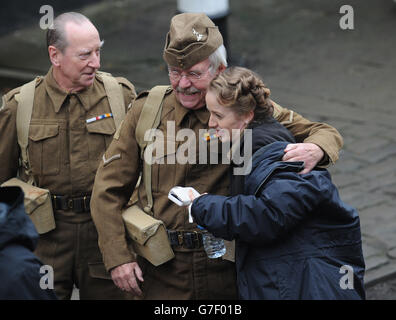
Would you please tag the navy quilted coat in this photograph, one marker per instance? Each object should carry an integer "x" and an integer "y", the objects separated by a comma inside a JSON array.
[
  {"x": 19, "y": 268},
  {"x": 295, "y": 237}
]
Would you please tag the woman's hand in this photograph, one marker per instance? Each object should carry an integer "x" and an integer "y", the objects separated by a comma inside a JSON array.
[{"x": 192, "y": 196}]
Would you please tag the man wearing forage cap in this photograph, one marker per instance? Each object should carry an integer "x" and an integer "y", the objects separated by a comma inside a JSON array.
[{"x": 195, "y": 54}]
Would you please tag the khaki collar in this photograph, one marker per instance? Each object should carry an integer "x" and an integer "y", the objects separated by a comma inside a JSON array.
[
  {"x": 202, "y": 114},
  {"x": 88, "y": 97}
]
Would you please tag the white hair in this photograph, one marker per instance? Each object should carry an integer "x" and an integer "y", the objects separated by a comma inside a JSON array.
[{"x": 218, "y": 58}]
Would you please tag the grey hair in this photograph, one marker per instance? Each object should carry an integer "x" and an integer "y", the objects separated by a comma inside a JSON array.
[
  {"x": 56, "y": 35},
  {"x": 218, "y": 58}
]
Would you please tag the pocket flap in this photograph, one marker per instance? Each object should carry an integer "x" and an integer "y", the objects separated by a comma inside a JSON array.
[
  {"x": 162, "y": 148},
  {"x": 103, "y": 126},
  {"x": 98, "y": 270},
  {"x": 39, "y": 132},
  {"x": 140, "y": 225}
]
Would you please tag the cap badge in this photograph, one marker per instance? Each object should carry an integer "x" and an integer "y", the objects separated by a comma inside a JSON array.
[{"x": 197, "y": 34}]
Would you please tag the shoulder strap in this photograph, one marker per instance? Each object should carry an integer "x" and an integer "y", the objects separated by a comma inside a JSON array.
[
  {"x": 115, "y": 96},
  {"x": 3, "y": 102},
  {"x": 150, "y": 113},
  {"x": 150, "y": 118},
  {"x": 23, "y": 116}
]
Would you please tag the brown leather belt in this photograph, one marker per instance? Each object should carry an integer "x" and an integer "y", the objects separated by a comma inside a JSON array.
[
  {"x": 186, "y": 239},
  {"x": 76, "y": 204}
]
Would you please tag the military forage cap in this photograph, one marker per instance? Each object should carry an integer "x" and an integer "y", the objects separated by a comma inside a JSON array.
[{"x": 192, "y": 38}]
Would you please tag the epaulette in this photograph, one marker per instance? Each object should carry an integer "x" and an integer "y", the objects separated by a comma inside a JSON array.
[
  {"x": 10, "y": 94},
  {"x": 14, "y": 93},
  {"x": 142, "y": 94},
  {"x": 125, "y": 82},
  {"x": 145, "y": 93}
]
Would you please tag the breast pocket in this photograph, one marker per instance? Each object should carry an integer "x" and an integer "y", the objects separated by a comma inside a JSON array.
[
  {"x": 163, "y": 171},
  {"x": 100, "y": 135},
  {"x": 44, "y": 149}
]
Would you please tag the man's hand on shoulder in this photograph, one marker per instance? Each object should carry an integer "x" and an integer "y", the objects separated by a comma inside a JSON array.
[{"x": 310, "y": 153}]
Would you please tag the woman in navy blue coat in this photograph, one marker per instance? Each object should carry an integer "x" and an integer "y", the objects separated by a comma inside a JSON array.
[
  {"x": 20, "y": 269},
  {"x": 295, "y": 238}
]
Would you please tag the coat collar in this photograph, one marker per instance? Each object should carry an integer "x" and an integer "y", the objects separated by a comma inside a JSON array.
[
  {"x": 88, "y": 97},
  {"x": 201, "y": 114}
]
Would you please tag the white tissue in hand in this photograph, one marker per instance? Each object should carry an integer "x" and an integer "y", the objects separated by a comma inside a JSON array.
[{"x": 180, "y": 195}]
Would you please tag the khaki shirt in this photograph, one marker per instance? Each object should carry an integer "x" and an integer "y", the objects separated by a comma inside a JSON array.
[
  {"x": 118, "y": 174},
  {"x": 64, "y": 151}
]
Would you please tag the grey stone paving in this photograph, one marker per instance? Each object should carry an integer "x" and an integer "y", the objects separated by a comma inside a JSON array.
[{"x": 344, "y": 78}]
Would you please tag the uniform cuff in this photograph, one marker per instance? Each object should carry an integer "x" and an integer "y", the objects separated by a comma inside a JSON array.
[
  {"x": 116, "y": 253},
  {"x": 330, "y": 153}
]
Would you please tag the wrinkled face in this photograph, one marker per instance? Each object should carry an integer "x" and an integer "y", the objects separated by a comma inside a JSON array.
[
  {"x": 81, "y": 58},
  {"x": 224, "y": 119},
  {"x": 190, "y": 85}
]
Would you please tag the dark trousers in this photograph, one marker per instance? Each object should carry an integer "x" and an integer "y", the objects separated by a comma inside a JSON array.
[
  {"x": 190, "y": 275},
  {"x": 73, "y": 253}
]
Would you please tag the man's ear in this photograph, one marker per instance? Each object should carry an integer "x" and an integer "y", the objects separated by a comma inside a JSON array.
[
  {"x": 54, "y": 55},
  {"x": 221, "y": 68}
]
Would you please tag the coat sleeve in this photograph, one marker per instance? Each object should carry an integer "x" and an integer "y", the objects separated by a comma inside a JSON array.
[
  {"x": 281, "y": 206},
  {"x": 321, "y": 134},
  {"x": 115, "y": 181}
]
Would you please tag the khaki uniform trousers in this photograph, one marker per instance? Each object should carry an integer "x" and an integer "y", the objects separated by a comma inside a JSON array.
[
  {"x": 72, "y": 250},
  {"x": 191, "y": 275}
]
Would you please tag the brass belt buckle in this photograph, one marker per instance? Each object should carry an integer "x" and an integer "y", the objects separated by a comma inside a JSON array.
[{"x": 180, "y": 238}]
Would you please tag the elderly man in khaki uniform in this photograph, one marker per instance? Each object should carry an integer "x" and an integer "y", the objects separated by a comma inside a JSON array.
[
  {"x": 70, "y": 128},
  {"x": 194, "y": 53}
]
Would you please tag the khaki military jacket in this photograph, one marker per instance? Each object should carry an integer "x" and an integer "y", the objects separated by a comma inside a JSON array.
[
  {"x": 64, "y": 150},
  {"x": 119, "y": 171}
]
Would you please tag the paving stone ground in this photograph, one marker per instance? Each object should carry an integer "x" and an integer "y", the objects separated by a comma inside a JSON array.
[{"x": 343, "y": 77}]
